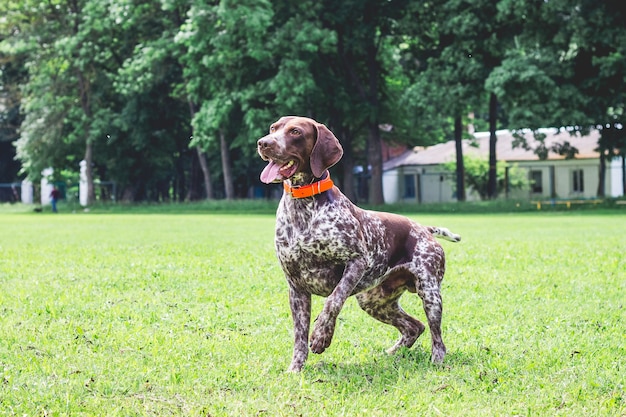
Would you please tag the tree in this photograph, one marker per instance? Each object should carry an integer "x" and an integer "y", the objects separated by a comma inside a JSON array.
[
  {"x": 476, "y": 36},
  {"x": 69, "y": 49},
  {"x": 567, "y": 69},
  {"x": 225, "y": 55},
  {"x": 477, "y": 176},
  {"x": 159, "y": 94},
  {"x": 154, "y": 70},
  {"x": 460, "y": 163},
  {"x": 12, "y": 74},
  {"x": 599, "y": 36},
  {"x": 442, "y": 93},
  {"x": 364, "y": 30}
]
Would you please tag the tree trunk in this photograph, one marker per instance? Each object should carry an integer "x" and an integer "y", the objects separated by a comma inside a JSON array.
[
  {"x": 348, "y": 179},
  {"x": 374, "y": 143},
  {"x": 84, "y": 89},
  {"x": 602, "y": 173},
  {"x": 460, "y": 166},
  {"x": 208, "y": 187},
  {"x": 375, "y": 161},
  {"x": 195, "y": 174},
  {"x": 492, "y": 185},
  {"x": 368, "y": 90},
  {"x": 348, "y": 166},
  {"x": 179, "y": 184},
  {"x": 226, "y": 168},
  {"x": 91, "y": 192},
  {"x": 624, "y": 175}
]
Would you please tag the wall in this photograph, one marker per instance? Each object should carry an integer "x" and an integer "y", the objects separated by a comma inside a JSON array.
[
  {"x": 430, "y": 184},
  {"x": 557, "y": 176},
  {"x": 615, "y": 187},
  {"x": 564, "y": 182}
]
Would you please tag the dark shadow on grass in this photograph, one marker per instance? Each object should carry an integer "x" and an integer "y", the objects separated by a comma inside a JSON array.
[{"x": 380, "y": 370}]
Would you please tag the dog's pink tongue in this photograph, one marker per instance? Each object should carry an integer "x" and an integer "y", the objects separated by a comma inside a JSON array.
[{"x": 270, "y": 173}]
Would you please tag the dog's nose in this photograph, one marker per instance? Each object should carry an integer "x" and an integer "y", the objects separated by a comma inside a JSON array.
[{"x": 264, "y": 142}]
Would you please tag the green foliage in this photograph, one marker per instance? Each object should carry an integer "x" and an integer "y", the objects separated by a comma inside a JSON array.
[
  {"x": 187, "y": 314},
  {"x": 224, "y": 53},
  {"x": 68, "y": 50},
  {"x": 539, "y": 100},
  {"x": 566, "y": 67},
  {"x": 477, "y": 175},
  {"x": 139, "y": 82}
]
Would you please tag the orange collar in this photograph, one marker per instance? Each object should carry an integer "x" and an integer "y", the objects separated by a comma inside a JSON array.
[{"x": 309, "y": 190}]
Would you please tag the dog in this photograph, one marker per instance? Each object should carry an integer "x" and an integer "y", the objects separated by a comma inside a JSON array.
[{"x": 329, "y": 247}]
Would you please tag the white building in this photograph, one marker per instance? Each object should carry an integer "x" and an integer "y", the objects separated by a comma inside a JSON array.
[{"x": 418, "y": 176}]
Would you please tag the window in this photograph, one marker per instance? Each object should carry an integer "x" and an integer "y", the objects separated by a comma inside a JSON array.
[
  {"x": 536, "y": 181},
  {"x": 578, "y": 183},
  {"x": 409, "y": 186}
]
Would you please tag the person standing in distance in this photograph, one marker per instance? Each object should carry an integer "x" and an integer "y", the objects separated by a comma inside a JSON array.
[{"x": 54, "y": 197}]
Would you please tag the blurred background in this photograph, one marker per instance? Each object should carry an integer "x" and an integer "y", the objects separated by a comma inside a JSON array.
[{"x": 451, "y": 100}]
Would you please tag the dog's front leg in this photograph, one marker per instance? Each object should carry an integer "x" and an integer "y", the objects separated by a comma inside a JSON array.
[
  {"x": 325, "y": 323},
  {"x": 300, "y": 303}
]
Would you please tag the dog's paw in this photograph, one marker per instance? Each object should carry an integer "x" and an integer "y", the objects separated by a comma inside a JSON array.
[
  {"x": 437, "y": 354},
  {"x": 321, "y": 337}
]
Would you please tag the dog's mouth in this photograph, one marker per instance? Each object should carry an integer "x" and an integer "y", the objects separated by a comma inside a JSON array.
[{"x": 277, "y": 172}]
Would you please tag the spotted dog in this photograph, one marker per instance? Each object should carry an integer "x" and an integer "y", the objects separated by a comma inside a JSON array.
[{"x": 329, "y": 247}]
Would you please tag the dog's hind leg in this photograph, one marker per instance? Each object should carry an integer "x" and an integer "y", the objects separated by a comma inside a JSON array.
[
  {"x": 433, "y": 307},
  {"x": 382, "y": 303}
]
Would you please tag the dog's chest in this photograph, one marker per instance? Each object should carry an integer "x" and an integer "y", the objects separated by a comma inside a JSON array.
[
  {"x": 314, "y": 243},
  {"x": 317, "y": 234}
]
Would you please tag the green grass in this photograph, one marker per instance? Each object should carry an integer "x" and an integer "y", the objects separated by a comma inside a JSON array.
[
  {"x": 262, "y": 206},
  {"x": 133, "y": 314}
]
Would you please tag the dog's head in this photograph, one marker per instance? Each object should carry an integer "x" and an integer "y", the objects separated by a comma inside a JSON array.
[{"x": 297, "y": 145}]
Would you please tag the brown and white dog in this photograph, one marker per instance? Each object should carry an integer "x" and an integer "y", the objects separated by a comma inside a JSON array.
[{"x": 329, "y": 247}]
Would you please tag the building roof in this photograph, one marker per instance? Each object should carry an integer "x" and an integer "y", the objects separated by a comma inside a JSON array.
[{"x": 446, "y": 152}]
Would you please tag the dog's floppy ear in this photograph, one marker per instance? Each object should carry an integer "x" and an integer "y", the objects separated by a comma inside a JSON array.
[{"x": 326, "y": 152}]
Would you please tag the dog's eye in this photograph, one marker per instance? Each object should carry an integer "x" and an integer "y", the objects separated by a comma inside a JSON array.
[
  {"x": 294, "y": 131},
  {"x": 272, "y": 129}
]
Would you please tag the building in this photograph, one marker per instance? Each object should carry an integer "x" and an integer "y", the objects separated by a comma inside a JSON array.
[{"x": 417, "y": 175}]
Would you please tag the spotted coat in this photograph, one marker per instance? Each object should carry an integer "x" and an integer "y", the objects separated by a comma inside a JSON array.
[{"x": 329, "y": 247}]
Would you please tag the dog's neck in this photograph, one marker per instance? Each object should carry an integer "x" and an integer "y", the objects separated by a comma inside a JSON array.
[
  {"x": 301, "y": 179},
  {"x": 304, "y": 187}
]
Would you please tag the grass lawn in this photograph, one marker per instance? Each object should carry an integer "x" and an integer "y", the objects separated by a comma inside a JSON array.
[{"x": 186, "y": 314}]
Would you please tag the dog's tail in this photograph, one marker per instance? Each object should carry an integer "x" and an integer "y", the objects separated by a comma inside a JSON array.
[{"x": 443, "y": 233}]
